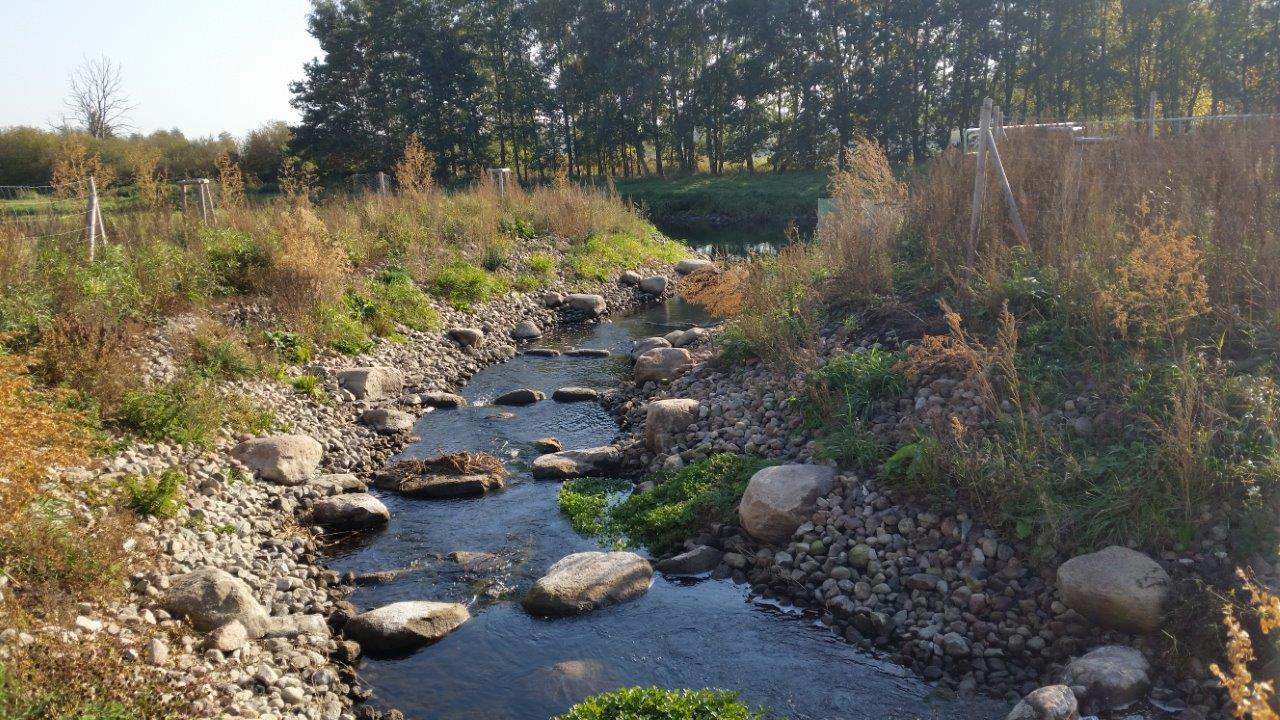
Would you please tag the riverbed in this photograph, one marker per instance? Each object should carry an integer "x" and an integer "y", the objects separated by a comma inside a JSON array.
[{"x": 505, "y": 664}]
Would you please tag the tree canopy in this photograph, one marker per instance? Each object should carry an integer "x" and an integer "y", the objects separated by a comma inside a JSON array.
[{"x": 594, "y": 87}]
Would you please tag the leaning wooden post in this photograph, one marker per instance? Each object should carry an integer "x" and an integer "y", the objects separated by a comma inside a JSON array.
[
  {"x": 1008, "y": 190},
  {"x": 382, "y": 184},
  {"x": 203, "y": 187},
  {"x": 91, "y": 219},
  {"x": 979, "y": 177}
]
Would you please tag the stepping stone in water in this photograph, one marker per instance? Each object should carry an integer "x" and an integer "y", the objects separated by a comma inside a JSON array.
[
  {"x": 547, "y": 445},
  {"x": 542, "y": 352},
  {"x": 574, "y": 394},
  {"x": 405, "y": 625},
  {"x": 590, "y": 462},
  {"x": 523, "y": 396},
  {"x": 447, "y": 476},
  {"x": 583, "y": 582},
  {"x": 588, "y": 352},
  {"x": 442, "y": 400}
]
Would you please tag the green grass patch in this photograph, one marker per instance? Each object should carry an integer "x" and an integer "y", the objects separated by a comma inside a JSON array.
[
  {"x": 465, "y": 286},
  {"x": 680, "y": 506},
  {"x": 190, "y": 411},
  {"x": 635, "y": 703},
  {"x": 600, "y": 256},
  {"x": 399, "y": 298}
]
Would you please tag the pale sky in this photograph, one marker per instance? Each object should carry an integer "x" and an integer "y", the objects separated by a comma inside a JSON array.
[{"x": 202, "y": 66}]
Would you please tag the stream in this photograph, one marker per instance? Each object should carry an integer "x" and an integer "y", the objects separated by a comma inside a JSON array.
[{"x": 504, "y": 664}]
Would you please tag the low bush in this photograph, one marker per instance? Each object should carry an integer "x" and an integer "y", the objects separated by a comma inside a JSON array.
[
  {"x": 465, "y": 286},
  {"x": 308, "y": 385},
  {"x": 585, "y": 500},
  {"x": 598, "y": 257},
  {"x": 400, "y": 299},
  {"x": 288, "y": 347},
  {"x": 220, "y": 356},
  {"x": 635, "y": 703},
  {"x": 189, "y": 410},
  {"x": 96, "y": 359}
]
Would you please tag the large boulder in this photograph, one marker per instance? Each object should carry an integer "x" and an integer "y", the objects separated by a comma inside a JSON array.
[
  {"x": 526, "y": 330},
  {"x": 644, "y": 345},
  {"x": 350, "y": 511},
  {"x": 629, "y": 277},
  {"x": 684, "y": 267},
  {"x": 655, "y": 285},
  {"x": 701, "y": 559},
  {"x": 371, "y": 383},
  {"x": 662, "y": 364},
  {"x": 210, "y": 598},
  {"x": 779, "y": 499},
  {"x": 467, "y": 336},
  {"x": 589, "y": 462},
  {"x": 582, "y": 582},
  {"x": 442, "y": 400},
  {"x": 1116, "y": 588},
  {"x": 441, "y": 478},
  {"x": 590, "y": 305},
  {"x": 387, "y": 421},
  {"x": 523, "y": 396},
  {"x": 1053, "y": 702},
  {"x": 282, "y": 459},
  {"x": 405, "y": 625},
  {"x": 574, "y": 394},
  {"x": 691, "y": 336},
  {"x": 664, "y": 419},
  {"x": 1112, "y": 677}
]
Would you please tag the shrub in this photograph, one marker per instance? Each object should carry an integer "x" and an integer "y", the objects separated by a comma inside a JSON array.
[
  {"x": 220, "y": 356},
  {"x": 235, "y": 260},
  {"x": 95, "y": 358},
  {"x": 289, "y": 347},
  {"x": 334, "y": 326},
  {"x": 855, "y": 383},
  {"x": 155, "y": 496},
  {"x": 636, "y": 703},
  {"x": 308, "y": 385},
  {"x": 395, "y": 292},
  {"x": 597, "y": 257}
]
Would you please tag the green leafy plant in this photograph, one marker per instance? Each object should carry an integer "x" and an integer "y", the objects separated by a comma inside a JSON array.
[
  {"x": 585, "y": 500},
  {"x": 464, "y": 286},
  {"x": 155, "y": 496},
  {"x": 289, "y": 347},
  {"x": 635, "y": 703}
]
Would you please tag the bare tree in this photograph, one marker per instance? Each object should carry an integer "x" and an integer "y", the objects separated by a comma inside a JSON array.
[{"x": 96, "y": 101}]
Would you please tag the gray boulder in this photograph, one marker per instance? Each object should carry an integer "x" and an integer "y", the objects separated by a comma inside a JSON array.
[
  {"x": 588, "y": 352},
  {"x": 405, "y": 625},
  {"x": 547, "y": 445},
  {"x": 292, "y": 626},
  {"x": 338, "y": 483},
  {"x": 442, "y": 400},
  {"x": 779, "y": 499},
  {"x": 1053, "y": 702},
  {"x": 405, "y": 480},
  {"x": 371, "y": 383},
  {"x": 662, "y": 364},
  {"x": 210, "y": 598},
  {"x": 701, "y": 559},
  {"x": 526, "y": 330},
  {"x": 582, "y": 582},
  {"x": 574, "y": 394},
  {"x": 350, "y": 511},
  {"x": 684, "y": 267},
  {"x": 552, "y": 299},
  {"x": 629, "y": 277},
  {"x": 282, "y": 459},
  {"x": 590, "y": 462},
  {"x": 1113, "y": 677},
  {"x": 664, "y": 419},
  {"x": 387, "y": 421},
  {"x": 467, "y": 336},
  {"x": 1116, "y": 588},
  {"x": 591, "y": 305},
  {"x": 644, "y": 345},
  {"x": 523, "y": 396},
  {"x": 655, "y": 285},
  {"x": 691, "y": 336}
]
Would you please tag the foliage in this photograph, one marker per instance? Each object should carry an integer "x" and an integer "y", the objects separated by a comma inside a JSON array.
[
  {"x": 465, "y": 286},
  {"x": 189, "y": 410},
  {"x": 685, "y": 502},
  {"x": 635, "y": 703},
  {"x": 600, "y": 256},
  {"x": 1250, "y": 696},
  {"x": 155, "y": 496},
  {"x": 415, "y": 169},
  {"x": 585, "y": 500}
]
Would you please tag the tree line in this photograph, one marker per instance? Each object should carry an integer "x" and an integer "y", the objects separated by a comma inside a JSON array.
[{"x": 637, "y": 87}]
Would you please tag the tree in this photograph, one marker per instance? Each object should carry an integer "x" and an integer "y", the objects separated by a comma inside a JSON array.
[{"x": 96, "y": 101}]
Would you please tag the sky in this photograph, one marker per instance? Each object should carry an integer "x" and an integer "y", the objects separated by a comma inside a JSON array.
[{"x": 202, "y": 66}]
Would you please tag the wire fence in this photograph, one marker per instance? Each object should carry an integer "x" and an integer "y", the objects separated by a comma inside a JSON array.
[{"x": 37, "y": 212}]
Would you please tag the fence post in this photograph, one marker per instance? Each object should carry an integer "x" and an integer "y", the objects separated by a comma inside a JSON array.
[
  {"x": 979, "y": 177},
  {"x": 1008, "y": 190},
  {"x": 91, "y": 219},
  {"x": 1151, "y": 116},
  {"x": 382, "y": 184}
]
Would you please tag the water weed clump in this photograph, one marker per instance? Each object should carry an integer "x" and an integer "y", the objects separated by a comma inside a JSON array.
[{"x": 636, "y": 703}]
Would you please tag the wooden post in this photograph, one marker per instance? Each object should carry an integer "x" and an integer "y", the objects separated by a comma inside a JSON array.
[
  {"x": 1151, "y": 116},
  {"x": 1008, "y": 190},
  {"x": 91, "y": 219},
  {"x": 979, "y": 177},
  {"x": 382, "y": 184},
  {"x": 203, "y": 187}
]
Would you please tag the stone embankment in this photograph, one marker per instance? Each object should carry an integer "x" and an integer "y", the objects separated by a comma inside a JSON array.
[
  {"x": 952, "y": 600},
  {"x": 235, "y": 612}
]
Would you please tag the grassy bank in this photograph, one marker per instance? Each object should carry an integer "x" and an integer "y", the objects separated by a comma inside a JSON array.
[
  {"x": 261, "y": 287},
  {"x": 738, "y": 197}
]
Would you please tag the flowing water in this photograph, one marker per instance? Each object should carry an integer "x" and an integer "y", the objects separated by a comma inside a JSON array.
[{"x": 506, "y": 665}]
